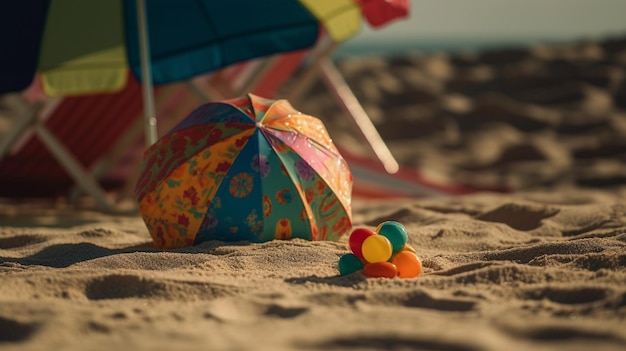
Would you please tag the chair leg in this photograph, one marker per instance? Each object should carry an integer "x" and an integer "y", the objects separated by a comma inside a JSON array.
[
  {"x": 30, "y": 118},
  {"x": 257, "y": 75},
  {"x": 344, "y": 96},
  {"x": 119, "y": 150},
  {"x": 22, "y": 121},
  {"x": 307, "y": 77},
  {"x": 204, "y": 93},
  {"x": 206, "y": 89},
  {"x": 82, "y": 177}
]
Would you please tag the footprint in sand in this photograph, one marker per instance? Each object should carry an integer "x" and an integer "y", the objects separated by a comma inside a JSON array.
[
  {"x": 369, "y": 342},
  {"x": 125, "y": 286},
  {"x": 420, "y": 299},
  {"x": 15, "y": 331},
  {"x": 567, "y": 296},
  {"x": 560, "y": 332},
  {"x": 424, "y": 299},
  {"x": 519, "y": 216},
  {"x": 14, "y": 242},
  {"x": 118, "y": 286},
  {"x": 241, "y": 310}
]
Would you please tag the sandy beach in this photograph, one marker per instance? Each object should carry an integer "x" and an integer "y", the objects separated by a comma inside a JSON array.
[{"x": 539, "y": 267}]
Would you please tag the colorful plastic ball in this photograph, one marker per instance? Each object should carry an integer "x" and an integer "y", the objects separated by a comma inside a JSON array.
[
  {"x": 356, "y": 240},
  {"x": 409, "y": 266},
  {"x": 409, "y": 248},
  {"x": 380, "y": 270},
  {"x": 376, "y": 248},
  {"x": 349, "y": 263},
  {"x": 395, "y": 232}
]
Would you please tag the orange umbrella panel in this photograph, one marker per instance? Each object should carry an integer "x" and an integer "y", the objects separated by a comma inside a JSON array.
[{"x": 246, "y": 169}]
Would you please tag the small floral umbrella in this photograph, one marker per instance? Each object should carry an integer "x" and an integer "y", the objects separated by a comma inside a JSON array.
[{"x": 245, "y": 169}]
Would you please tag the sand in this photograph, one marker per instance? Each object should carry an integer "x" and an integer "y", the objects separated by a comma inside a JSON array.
[
  {"x": 517, "y": 272},
  {"x": 536, "y": 118},
  {"x": 542, "y": 267}
]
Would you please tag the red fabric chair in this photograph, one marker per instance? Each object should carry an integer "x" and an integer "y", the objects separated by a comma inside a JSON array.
[{"x": 57, "y": 144}]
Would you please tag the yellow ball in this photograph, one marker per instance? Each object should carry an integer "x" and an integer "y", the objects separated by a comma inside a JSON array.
[{"x": 376, "y": 248}]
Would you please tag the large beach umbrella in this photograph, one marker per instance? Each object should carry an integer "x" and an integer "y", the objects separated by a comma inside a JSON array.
[
  {"x": 244, "y": 169},
  {"x": 82, "y": 47},
  {"x": 379, "y": 13},
  {"x": 342, "y": 19}
]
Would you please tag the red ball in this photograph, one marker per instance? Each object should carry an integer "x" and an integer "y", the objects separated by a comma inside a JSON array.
[
  {"x": 356, "y": 240},
  {"x": 380, "y": 270}
]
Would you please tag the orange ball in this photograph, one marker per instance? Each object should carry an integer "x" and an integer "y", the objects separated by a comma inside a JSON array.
[
  {"x": 408, "y": 247},
  {"x": 409, "y": 266},
  {"x": 380, "y": 270}
]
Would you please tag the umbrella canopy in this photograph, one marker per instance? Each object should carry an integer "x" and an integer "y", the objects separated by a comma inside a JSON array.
[
  {"x": 342, "y": 18},
  {"x": 381, "y": 12},
  {"x": 87, "y": 46},
  {"x": 244, "y": 169}
]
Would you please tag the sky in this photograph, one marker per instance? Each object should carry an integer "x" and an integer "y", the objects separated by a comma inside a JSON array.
[{"x": 501, "y": 19}]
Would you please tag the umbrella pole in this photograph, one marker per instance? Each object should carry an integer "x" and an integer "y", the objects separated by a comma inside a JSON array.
[{"x": 150, "y": 122}]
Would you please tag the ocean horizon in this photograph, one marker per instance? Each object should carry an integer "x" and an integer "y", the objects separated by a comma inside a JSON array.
[
  {"x": 477, "y": 25},
  {"x": 455, "y": 45}
]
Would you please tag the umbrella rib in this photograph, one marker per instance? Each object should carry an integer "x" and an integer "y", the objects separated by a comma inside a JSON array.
[
  {"x": 316, "y": 144},
  {"x": 165, "y": 178},
  {"x": 319, "y": 145},
  {"x": 161, "y": 181},
  {"x": 321, "y": 148},
  {"x": 345, "y": 207}
]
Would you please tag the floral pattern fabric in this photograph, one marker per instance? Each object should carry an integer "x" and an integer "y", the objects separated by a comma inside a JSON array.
[{"x": 244, "y": 169}]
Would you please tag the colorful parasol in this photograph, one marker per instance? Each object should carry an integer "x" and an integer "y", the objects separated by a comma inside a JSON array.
[
  {"x": 245, "y": 169},
  {"x": 85, "y": 47},
  {"x": 342, "y": 19},
  {"x": 82, "y": 47},
  {"x": 379, "y": 13}
]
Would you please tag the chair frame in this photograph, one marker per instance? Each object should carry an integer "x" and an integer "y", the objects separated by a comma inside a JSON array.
[
  {"x": 207, "y": 87},
  {"x": 33, "y": 121}
]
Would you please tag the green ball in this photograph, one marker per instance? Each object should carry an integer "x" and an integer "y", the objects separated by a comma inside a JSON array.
[
  {"x": 349, "y": 263},
  {"x": 395, "y": 232}
]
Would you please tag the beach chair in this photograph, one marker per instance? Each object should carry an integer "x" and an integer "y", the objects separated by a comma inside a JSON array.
[
  {"x": 87, "y": 144},
  {"x": 322, "y": 67},
  {"x": 35, "y": 156},
  {"x": 47, "y": 157},
  {"x": 91, "y": 141},
  {"x": 262, "y": 76},
  {"x": 267, "y": 77},
  {"x": 56, "y": 142}
]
